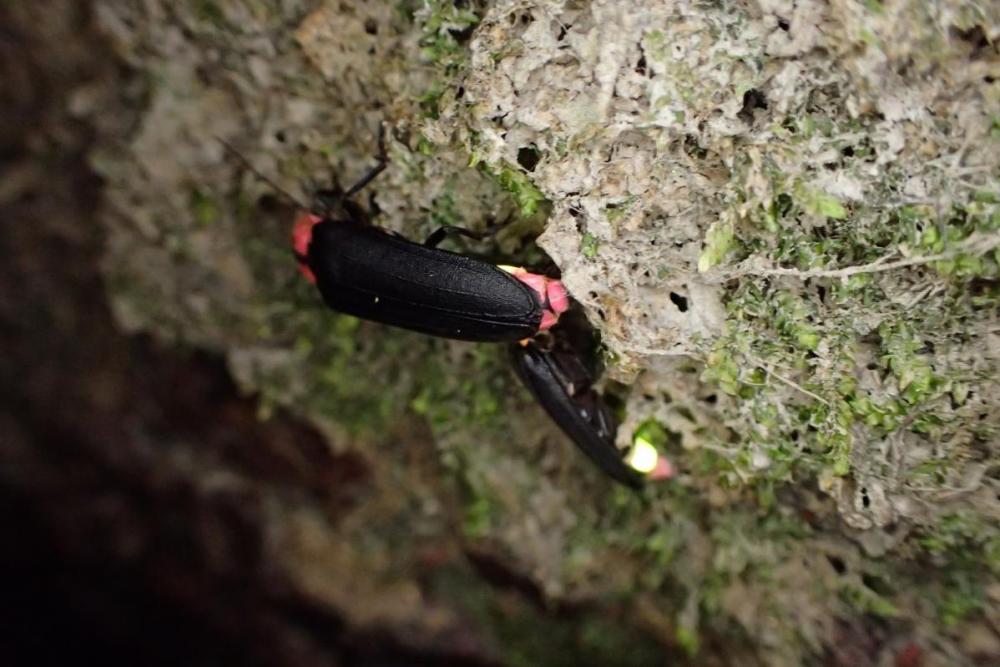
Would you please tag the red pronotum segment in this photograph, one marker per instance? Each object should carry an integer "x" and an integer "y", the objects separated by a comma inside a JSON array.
[
  {"x": 551, "y": 292},
  {"x": 301, "y": 236}
]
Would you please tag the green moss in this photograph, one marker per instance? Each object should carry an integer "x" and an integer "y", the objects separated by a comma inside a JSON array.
[
  {"x": 442, "y": 24},
  {"x": 867, "y": 601},
  {"x": 655, "y": 43},
  {"x": 613, "y": 643},
  {"x": 913, "y": 371},
  {"x": 209, "y": 12},
  {"x": 204, "y": 209},
  {"x": 779, "y": 328},
  {"x": 355, "y": 384},
  {"x": 955, "y": 536},
  {"x": 874, "y": 6},
  {"x": 965, "y": 548},
  {"x": 430, "y": 101},
  {"x": 655, "y": 434},
  {"x": 688, "y": 640},
  {"x": 962, "y": 598},
  {"x": 527, "y": 197},
  {"x": 822, "y": 204},
  {"x": 719, "y": 241},
  {"x": 722, "y": 369},
  {"x": 444, "y": 212},
  {"x": 589, "y": 244},
  {"x": 797, "y": 340},
  {"x": 793, "y": 316},
  {"x": 466, "y": 395},
  {"x": 663, "y": 546},
  {"x": 616, "y": 212},
  {"x": 478, "y": 518}
]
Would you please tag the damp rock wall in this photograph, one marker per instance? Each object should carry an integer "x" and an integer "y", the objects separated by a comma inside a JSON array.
[{"x": 783, "y": 218}]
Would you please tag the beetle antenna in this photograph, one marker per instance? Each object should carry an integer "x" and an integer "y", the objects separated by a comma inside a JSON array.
[{"x": 246, "y": 163}]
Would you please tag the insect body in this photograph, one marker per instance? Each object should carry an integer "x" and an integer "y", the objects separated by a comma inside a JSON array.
[
  {"x": 376, "y": 275},
  {"x": 561, "y": 383}
]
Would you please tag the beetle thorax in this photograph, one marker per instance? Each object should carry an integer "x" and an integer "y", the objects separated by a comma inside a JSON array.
[{"x": 302, "y": 233}]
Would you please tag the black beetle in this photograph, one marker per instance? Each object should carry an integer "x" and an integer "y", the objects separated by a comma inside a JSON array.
[
  {"x": 554, "y": 368},
  {"x": 377, "y": 275},
  {"x": 365, "y": 271}
]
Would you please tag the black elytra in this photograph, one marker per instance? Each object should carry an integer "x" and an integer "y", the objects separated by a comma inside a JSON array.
[
  {"x": 562, "y": 386},
  {"x": 367, "y": 272}
]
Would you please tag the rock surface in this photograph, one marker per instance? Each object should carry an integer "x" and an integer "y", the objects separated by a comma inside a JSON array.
[{"x": 782, "y": 217}]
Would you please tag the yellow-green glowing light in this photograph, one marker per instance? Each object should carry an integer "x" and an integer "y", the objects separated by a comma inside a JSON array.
[{"x": 643, "y": 456}]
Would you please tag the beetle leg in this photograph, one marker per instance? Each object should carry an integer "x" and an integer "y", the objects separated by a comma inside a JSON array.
[
  {"x": 547, "y": 268},
  {"x": 604, "y": 421},
  {"x": 382, "y": 161},
  {"x": 367, "y": 178},
  {"x": 595, "y": 413},
  {"x": 570, "y": 372},
  {"x": 443, "y": 231},
  {"x": 440, "y": 233},
  {"x": 326, "y": 201}
]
